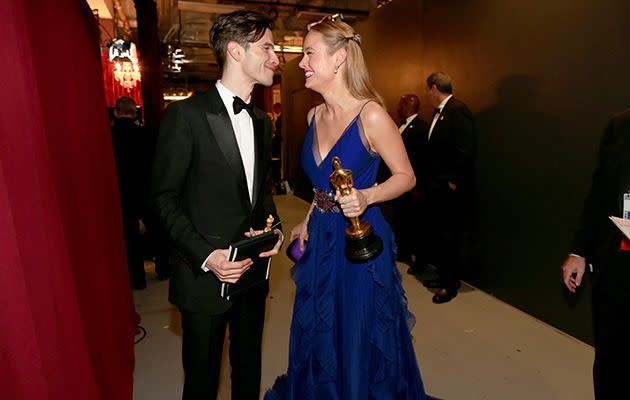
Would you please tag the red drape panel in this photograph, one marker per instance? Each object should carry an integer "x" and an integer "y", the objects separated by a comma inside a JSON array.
[
  {"x": 113, "y": 90},
  {"x": 66, "y": 310}
]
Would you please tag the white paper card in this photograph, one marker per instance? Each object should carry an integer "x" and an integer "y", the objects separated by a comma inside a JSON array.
[{"x": 622, "y": 224}]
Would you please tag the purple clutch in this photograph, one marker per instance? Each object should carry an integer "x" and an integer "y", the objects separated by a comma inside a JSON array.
[{"x": 293, "y": 250}]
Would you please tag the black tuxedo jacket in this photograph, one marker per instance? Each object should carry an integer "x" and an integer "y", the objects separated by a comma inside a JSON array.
[
  {"x": 414, "y": 137},
  {"x": 597, "y": 238},
  {"x": 132, "y": 147},
  {"x": 449, "y": 154},
  {"x": 199, "y": 191}
]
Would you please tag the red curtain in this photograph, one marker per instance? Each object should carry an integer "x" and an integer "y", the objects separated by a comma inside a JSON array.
[
  {"x": 66, "y": 310},
  {"x": 113, "y": 90}
]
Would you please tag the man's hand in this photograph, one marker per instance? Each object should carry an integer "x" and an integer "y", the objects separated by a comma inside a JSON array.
[
  {"x": 573, "y": 271},
  {"x": 276, "y": 248},
  {"x": 227, "y": 271},
  {"x": 452, "y": 186}
]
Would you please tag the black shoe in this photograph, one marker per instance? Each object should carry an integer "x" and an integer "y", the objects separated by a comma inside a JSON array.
[
  {"x": 433, "y": 284},
  {"x": 444, "y": 295}
]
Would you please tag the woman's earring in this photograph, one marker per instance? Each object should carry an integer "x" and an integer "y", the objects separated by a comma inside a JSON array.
[{"x": 336, "y": 68}]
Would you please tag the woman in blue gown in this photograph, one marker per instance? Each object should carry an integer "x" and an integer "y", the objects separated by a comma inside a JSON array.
[{"x": 350, "y": 333}]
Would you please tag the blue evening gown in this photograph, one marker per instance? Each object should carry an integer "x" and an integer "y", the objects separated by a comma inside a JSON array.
[{"x": 350, "y": 333}]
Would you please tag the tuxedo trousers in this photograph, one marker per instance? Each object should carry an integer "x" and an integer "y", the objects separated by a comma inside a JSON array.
[
  {"x": 403, "y": 221},
  {"x": 135, "y": 261},
  {"x": 444, "y": 225},
  {"x": 202, "y": 348}
]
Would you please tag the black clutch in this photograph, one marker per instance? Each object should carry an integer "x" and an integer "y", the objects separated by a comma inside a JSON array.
[{"x": 259, "y": 271}]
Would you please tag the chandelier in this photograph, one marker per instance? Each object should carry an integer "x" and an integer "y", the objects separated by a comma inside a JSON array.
[{"x": 123, "y": 56}]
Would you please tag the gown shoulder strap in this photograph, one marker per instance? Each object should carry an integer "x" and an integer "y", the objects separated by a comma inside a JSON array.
[
  {"x": 362, "y": 134},
  {"x": 363, "y": 106},
  {"x": 313, "y": 117}
]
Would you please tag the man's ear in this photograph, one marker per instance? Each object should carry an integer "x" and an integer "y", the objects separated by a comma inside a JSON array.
[{"x": 234, "y": 50}]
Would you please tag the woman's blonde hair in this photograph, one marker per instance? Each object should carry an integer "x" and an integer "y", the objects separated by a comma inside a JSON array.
[{"x": 339, "y": 35}]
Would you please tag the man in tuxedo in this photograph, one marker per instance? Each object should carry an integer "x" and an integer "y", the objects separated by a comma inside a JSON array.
[
  {"x": 600, "y": 244},
  {"x": 404, "y": 208},
  {"x": 130, "y": 152},
  {"x": 211, "y": 184},
  {"x": 445, "y": 179}
]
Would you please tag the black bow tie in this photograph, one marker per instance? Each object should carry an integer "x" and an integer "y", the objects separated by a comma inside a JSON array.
[{"x": 239, "y": 105}]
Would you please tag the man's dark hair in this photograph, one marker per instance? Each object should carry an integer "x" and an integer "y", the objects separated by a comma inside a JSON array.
[
  {"x": 441, "y": 81},
  {"x": 412, "y": 102},
  {"x": 125, "y": 106},
  {"x": 242, "y": 26}
]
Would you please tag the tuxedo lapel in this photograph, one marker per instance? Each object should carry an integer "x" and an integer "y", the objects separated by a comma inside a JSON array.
[
  {"x": 410, "y": 127},
  {"x": 259, "y": 143},
  {"x": 223, "y": 132},
  {"x": 440, "y": 120},
  {"x": 407, "y": 129}
]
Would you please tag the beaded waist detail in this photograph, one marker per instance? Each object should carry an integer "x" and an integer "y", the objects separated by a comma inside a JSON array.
[{"x": 325, "y": 201}]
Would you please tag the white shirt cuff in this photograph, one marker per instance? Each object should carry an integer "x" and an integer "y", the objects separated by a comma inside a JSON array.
[{"x": 203, "y": 265}]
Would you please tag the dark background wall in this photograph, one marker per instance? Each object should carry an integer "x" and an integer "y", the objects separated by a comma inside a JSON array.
[
  {"x": 542, "y": 78},
  {"x": 296, "y": 101}
]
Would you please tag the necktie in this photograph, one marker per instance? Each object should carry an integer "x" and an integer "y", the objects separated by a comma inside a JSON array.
[
  {"x": 436, "y": 112},
  {"x": 239, "y": 105}
]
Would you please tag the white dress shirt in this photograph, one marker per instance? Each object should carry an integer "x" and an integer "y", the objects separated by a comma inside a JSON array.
[
  {"x": 437, "y": 115},
  {"x": 406, "y": 124},
  {"x": 244, "y": 131}
]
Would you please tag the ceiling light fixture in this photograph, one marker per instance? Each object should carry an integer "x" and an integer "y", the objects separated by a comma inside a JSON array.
[{"x": 123, "y": 56}]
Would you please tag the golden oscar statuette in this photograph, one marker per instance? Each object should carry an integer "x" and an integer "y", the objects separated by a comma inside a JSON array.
[{"x": 361, "y": 243}]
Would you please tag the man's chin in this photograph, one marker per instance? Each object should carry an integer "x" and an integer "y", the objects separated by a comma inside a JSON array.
[{"x": 266, "y": 80}]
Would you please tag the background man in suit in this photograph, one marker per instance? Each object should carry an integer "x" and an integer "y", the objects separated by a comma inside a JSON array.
[
  {"x": 414, "y": 132},
  {"x": 131, "y": 156},
  {"x": 211, "y": 184},
  {"x": 599, "y": 243},
  {"x": 276, "y": 148},
  {"x": 445, "y": 182}
]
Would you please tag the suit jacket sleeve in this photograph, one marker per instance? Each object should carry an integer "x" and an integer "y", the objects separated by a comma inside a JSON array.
[
  {"x": 584, "y": 242},
  {"x": 464, "y": 145},
  {"x": 173, "y": 155}
]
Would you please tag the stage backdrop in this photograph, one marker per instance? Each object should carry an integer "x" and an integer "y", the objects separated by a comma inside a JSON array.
[{"x": 66, "y": 311}]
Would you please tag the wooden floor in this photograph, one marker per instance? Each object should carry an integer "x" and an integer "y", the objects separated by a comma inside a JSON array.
[{"x": 475, "y": 347}]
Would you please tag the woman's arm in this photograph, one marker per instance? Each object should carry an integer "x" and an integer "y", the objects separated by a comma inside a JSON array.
[{"x": 383, "y": 138}]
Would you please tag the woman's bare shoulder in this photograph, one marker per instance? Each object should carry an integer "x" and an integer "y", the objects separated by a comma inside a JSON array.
[{"x": 374, "y": 114}]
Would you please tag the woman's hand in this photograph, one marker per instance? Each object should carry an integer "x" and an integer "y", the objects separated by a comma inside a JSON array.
[
  {"x": 354, "y": 204},
  {"x": 300, "y": 231}
]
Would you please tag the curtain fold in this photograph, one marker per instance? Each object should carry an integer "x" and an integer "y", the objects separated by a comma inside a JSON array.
[{"x": 66, "y": 312}]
